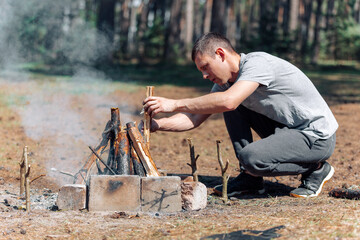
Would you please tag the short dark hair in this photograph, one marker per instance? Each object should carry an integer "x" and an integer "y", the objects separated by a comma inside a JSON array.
[{"x": 208, "y": 42}]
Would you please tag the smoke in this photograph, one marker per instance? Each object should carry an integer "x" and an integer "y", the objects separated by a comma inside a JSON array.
[{"x": 53, "y": 33}]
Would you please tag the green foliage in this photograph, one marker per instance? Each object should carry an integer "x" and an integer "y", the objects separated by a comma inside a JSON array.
[{"x": 154, "y": 39}]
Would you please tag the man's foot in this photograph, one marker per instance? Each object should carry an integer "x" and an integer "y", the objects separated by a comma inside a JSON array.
[
  {"x": 312, "y": 184},
  {"x": 243, "y": 183}
]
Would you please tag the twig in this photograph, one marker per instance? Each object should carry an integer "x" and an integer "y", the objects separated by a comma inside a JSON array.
[
  {"x": 112, "y": 171},
  {"x": 193, "y": 160},
  {"x": 224, "y": 168},
  {"x": 35, "y": 178}
]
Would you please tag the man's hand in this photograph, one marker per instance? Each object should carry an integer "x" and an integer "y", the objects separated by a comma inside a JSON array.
[{"x": 155, "y": 105}]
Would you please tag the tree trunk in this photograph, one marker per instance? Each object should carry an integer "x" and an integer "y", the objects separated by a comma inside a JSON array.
[
  {"x": 217, "y": 21},
  {"x": 197, "y": 20},
  {"x": 286, "y": 18},
  {"x": 316, "y": 41},
  {"x": 189, "y": 27},
  {"x": 231, "y": 22},
  {"x": 305, "y": 26},
  {"x": 124, "y": 26},
  {"x": 172, "y": 35},
  {"x": 105, "y": 21},
  {"x": 142, "y": 28},
  {"x": 132, "y": 29},
  {"x": 357, "y": 11},
  {"x": 294, "y": 15},
  {"x": 207, "y": 17}
]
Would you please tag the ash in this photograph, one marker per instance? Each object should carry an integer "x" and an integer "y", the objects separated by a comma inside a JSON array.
[{"x": 43, "y": 199}]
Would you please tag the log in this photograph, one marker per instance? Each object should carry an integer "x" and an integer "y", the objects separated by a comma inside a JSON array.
[
  {"x": 142, "y": 150},
  {"x": 138, "y": 167},
  {"x": 147, "y": 118},
  {"x": 122, "y": 153},
  {"x": 115, "y": 129}
]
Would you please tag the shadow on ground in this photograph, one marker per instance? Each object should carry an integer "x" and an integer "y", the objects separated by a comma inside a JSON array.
[{"x": 248, "y": 234}]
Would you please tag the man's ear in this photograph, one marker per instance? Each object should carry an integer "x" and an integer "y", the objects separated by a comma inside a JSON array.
[{"x": 221, "y": 53}]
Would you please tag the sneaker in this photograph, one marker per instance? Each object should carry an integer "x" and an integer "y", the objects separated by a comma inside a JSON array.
[
  {"x": 243, "y": 183},
  {"x": 312, "y": 184}
]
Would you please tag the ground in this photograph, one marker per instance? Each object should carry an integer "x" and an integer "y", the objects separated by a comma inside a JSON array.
[{"x": 59, "y": 117}]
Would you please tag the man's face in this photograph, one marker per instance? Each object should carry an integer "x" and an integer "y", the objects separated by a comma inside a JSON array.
[{"x": 215, "y": 68}]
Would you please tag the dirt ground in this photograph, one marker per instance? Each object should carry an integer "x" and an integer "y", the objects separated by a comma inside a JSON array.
[{"x": 58, "y": 118}]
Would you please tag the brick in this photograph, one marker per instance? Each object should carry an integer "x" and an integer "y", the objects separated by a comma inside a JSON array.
[
  {"x": 193, "y": 195},
  {"x": 161, "y": 194},
  {"x": 114, "y": 193},
  {"x": 72, "y": 197}
]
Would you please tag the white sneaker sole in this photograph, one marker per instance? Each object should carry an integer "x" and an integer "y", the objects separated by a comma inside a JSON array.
[{"x": 331, "y": 173}]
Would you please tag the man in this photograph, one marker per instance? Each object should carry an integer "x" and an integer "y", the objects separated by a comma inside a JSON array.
[{"x": 270, "y": 95}]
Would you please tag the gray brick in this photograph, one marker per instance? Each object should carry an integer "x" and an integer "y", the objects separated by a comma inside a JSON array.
[
  {"x": 72, "y": 197},
  {"x": 161, "y": 194},
  {"x": 114, "y": 193}
]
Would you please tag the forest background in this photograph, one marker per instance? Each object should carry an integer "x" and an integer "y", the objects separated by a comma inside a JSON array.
[{"x": 60, "y": 36}]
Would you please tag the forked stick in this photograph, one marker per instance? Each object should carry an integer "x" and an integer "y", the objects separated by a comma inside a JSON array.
[{"x": 224, "y": 168}]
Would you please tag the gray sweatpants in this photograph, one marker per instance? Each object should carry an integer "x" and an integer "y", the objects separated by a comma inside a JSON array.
[{"x": 281, "y": 151}]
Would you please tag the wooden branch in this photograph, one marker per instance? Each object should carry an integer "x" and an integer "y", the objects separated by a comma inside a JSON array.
[
  {"x": 142, "y": 150},
  {"x": 103, "y": 162},
  {"x": 147, "y": 118},
  {"x": 224, "y": 168},
  {"x": 27, "y": 187},
  {"x": 193, "y": 160},
  {"x": 345, "y": 193},
  {"x": 23, "y": 170},
  {"x": 115, "y": 129}
]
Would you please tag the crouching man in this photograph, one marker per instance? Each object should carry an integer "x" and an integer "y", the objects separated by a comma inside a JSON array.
[{"x": 269, "y": 95}]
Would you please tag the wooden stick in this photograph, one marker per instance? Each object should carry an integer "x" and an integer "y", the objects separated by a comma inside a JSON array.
[
  {"x": 27, "y": 187},
  {"x": 193, "y": 160},
  {"x": 103, "y": 162},
  {"x": 116, "y": 124},
  {"x": 224, "y": 168},
  {"x": 36, "y": 178},
  {"x": 147, "y": 118},
  {"x": 22, "y": 171},
  {"x": 142, "y": 150}
]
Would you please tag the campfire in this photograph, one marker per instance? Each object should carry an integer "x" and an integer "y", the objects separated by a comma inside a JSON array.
[{"x": 128, "y": 150}]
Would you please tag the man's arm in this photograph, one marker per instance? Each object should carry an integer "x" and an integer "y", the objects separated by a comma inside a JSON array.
[
  {"x": 178, "y": 122},
  {"x": 207, "y": 104}
]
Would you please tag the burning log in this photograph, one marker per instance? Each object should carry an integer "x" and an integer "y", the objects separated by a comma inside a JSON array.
[
  {"x": 193, "y": 160},
  {"x": 224, "y": 168},
  {"x": 147, "y": 118},
  {"x": 142, "y": 150},
  {"x": 122, "y": 153}
]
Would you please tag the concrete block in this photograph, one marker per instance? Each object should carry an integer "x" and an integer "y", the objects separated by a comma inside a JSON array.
[
  {"x": 114, "y": 193},
  {"x": 193, "y": 195},
  {"x": 72, "y": 197},
  {"x": 161, "y": 194}
]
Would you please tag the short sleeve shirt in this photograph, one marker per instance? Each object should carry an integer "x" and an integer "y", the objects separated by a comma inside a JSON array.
[{"x": 285, "y": 94}]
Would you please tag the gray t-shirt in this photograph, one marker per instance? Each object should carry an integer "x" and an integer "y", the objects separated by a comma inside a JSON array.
[{"x": 285, "y": 95}]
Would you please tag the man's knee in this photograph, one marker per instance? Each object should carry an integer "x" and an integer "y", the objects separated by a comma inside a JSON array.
[{"x": 253, "y": 161}]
